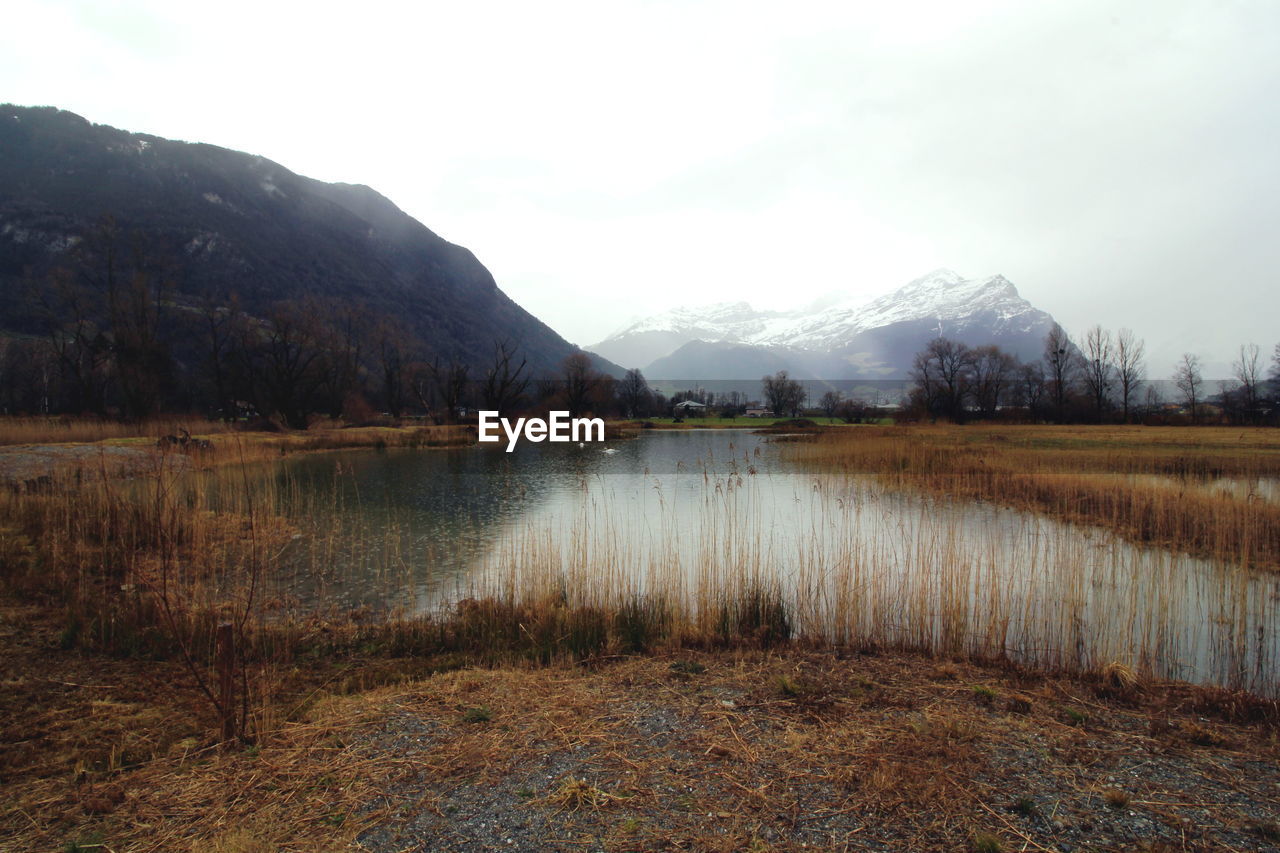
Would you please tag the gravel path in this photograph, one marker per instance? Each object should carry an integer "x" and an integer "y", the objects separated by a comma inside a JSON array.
[{"x": 810, "y": 752}]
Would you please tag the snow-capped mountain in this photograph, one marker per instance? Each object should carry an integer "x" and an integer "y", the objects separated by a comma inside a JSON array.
[
  {"x": 844, "y": 340},
  {"x": 662, "y": 334}
]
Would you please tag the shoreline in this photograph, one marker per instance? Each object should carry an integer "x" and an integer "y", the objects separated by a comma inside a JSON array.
[{"x": 733, "y": 749}]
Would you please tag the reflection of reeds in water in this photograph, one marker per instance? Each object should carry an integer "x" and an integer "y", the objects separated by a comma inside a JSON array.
[
  {"x": 843, "y": 563},
  {"x": 713, "y": 556}
]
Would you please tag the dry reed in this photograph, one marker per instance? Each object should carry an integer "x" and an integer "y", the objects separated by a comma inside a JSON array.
[
  {"x": 58, "y": 430},
  {"x": 148, "y": 567},
  {"x": 1152, "y": 486}
]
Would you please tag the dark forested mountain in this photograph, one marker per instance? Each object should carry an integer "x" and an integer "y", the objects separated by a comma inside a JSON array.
[{"x": 221, "y": 223}]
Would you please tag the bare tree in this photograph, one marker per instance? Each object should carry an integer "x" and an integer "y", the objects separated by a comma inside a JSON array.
[
  {"x": 422, "y": 383},
  {"x": 392, "y": 340},
  {"x": 27, "y": 372},
  {"x": 505, "y": 381},
  {"x": 993, "y": 372},
  {"x": 80, "y": 345},
  {"x": 852, "y": 411},
  {"x": 782, "y": 394},
  {"x": 633, "y": 393},
  {"x": 1130, "y": 368},
  {"x": 282, "y": 362},
  {"x": 943, "y": 374},
  {"x": 1098, "y": 369},
  {"x": 830, "y": 402},
  {"x": 1248, "y": 372},
  {"x": 221, "y": 322},
  {"x": 450, "y": 385},
  {"x": 342, "y": 341},
  {"x": 1031, "y": 384},
  {"x": 1189, "y": 380},
  {"x": 1061, "y": 367},
  {"x": 580, "y": 380}
]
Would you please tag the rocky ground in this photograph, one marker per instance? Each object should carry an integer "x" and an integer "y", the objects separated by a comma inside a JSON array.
[
  {"x": 808, "y": 751},
  {"x": 750, "y": 750}
]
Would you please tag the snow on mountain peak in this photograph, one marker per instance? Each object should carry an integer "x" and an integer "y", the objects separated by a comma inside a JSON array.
[
  {"x": 942, "y": 295},
  {"x": 939, "y": 277},
  {"x": 714, "y": 321}
]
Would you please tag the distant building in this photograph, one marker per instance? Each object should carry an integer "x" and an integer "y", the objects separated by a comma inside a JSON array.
[
  {"x": 758, "y": 413},
  {"x": 689, "y": 407}
]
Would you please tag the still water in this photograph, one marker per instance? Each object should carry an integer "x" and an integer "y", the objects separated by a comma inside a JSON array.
[{"x": 694, "y": 514}]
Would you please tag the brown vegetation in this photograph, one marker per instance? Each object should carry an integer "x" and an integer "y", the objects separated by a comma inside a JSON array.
[
  {"x": 1147, "y": 484},
  {"x": 740, "y": 750},
  {"x": 135, "y": 575},
  {"x": 55, "y": 430}
]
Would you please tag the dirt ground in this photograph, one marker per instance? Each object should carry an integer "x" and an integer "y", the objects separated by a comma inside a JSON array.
[
  {"x": 695, "y": 750},
  {"x": 31, "y": 465}
]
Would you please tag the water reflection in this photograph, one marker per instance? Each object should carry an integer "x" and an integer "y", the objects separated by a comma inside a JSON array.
[{"x": 689, "y": 513}]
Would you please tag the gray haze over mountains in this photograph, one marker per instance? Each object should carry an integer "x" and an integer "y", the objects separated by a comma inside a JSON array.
[
  {"x": 835, "y": 338},
  {"x": 609, "y": 160}
]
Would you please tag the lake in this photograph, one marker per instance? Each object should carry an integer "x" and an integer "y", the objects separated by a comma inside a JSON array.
[{"x": 692, "y": 514}]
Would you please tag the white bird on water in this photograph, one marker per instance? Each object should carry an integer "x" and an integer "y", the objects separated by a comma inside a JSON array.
[{"x": 610, "y": 450}]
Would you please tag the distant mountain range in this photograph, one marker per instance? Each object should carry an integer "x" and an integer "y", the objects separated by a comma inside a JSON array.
[
  {"x": 226, "y": 222},
  {"x": 844, "y": 340}
]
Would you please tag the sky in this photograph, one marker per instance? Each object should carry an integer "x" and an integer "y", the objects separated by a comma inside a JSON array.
[{"x": 1118, "y": 161}]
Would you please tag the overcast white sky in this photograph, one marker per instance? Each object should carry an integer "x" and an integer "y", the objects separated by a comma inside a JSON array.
[{"x": 1119, "y": 162}]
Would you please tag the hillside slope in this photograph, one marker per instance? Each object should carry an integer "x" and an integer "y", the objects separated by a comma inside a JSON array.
[{"x": 224, "y": 222}]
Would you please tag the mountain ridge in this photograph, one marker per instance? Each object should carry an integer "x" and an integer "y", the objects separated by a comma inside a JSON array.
[
  {"x": 849, "y": 339},
  {"x": 231, "y": 222}
]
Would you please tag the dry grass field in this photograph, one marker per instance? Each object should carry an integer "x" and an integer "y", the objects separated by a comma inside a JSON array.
[
  {"x": 697, "y": 750},
  {"x": 1153, "y": 485},
  {"x": 571, "y": 707}
]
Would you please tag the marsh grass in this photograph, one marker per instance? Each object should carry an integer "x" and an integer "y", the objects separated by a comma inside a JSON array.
[
  {"x": 58, "y": 430},
  {"x": 1149, "y": 485},
  {"x": 230, "y": 442},
  {"x": 148, "y": 567},
  {"x": 240, "y": 448}
]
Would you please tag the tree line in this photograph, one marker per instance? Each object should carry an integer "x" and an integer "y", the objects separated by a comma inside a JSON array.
[
  {"x": 1099, "y": 379},
  {"x": 106, "y": 334}
]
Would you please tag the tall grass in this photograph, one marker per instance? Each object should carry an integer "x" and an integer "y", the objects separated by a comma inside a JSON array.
[
  {"x": 718, "y": 555},
  {"x": 240, "y": 448},
  {"x": 845, "y": 563},
  {"x": 57, "y": 430},
  {"x": 325, "y": 435},
  {"x": 1141, "y": 484}
]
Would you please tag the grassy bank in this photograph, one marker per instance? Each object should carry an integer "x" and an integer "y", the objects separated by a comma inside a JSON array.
[
  {"x": 695, "y": 749},
  {"x": 148, "y": 567},
  {"x": 60, "y": 430},
  {"x": 39, "y": 452},
  {"x": 742, "y": 422},
  {"x": 1154, "y": 486}
]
